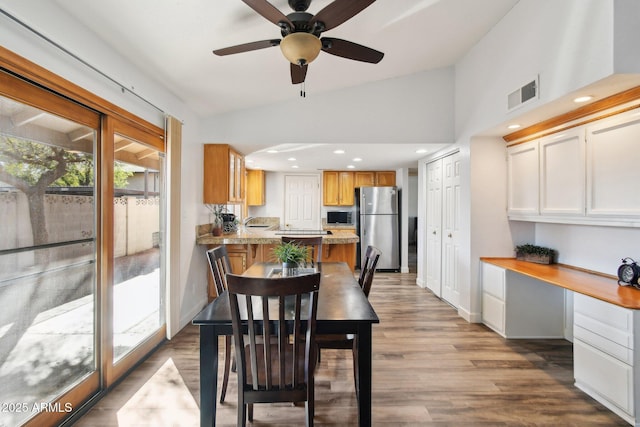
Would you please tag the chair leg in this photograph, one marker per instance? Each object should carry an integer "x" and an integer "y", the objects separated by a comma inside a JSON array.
[
  {"x": 242, "y": 411},
  {"x": 227, "y": 367},
  {"x": 250, "y": 412},
  {"x": 356, "y": 378}
]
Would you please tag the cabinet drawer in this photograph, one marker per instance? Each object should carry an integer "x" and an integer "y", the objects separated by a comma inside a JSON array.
[
  {"x": 493, "y": 280},
  {"x": 618, "y": 351},
  {"x": 597, "y": 372},
  {"x": 237, "y": 247},
  {"x": 607, "y": 320},
  {"x": 493, "y": 313}
]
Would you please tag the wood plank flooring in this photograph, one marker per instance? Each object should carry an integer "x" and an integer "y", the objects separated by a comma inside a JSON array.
[{"x": 430, "y": 368}]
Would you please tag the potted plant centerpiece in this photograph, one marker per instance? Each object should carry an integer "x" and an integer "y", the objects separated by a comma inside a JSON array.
[
  {"x": 290, "y": 255},
  {"x": 537, "y": 254}
]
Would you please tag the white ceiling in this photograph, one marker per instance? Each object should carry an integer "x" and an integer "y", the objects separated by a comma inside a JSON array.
[{"x": 173, "y": 40}]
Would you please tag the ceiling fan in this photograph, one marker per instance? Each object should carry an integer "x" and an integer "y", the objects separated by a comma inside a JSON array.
[{"x": 301, "y": 42}]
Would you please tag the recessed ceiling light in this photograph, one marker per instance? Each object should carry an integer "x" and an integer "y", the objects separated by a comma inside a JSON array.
[
  {"x": 421, "y": 150},
  {"x": 513, "y": 126},
  {"x": 292, "y": 159},
  {"x": 248, "y": 161},
  {"x": 339, "y": 151},
  {"x": 350, "y": 167},
  {"x": 357, "y": 159},
  {"x": 295, "y": 166},
  {"x": 272, "y": 151},
  {"x": 583, "y": 99}
]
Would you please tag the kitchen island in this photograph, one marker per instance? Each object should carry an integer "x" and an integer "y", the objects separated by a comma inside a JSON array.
[{"x": 255, "y": 244}]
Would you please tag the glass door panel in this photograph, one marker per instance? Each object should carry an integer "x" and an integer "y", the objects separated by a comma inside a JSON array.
[
  {"x": 138, "y": 289},
  {"x": 47, "y": 257}
]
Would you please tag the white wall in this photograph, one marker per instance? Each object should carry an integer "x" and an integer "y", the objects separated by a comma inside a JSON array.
[
  {"x": 578, "y": 46},
  {"x": 413, "y": 109}
]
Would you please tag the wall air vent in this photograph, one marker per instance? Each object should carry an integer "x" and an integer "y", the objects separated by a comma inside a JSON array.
[{"x": 523, "y": 94}]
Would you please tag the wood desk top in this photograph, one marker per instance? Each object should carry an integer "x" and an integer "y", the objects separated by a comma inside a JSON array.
[{"x": 588, "y": 283}]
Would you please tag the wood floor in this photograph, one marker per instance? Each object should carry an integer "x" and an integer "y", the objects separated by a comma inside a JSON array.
[{"x": 430, "y": 368}]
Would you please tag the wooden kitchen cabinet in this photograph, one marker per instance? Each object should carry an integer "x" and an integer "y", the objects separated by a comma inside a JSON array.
[
  {"x": 338, "y": 188},
  {"x": 224, "y": 175},
  {"x": 385, "y": 178},
  {"x": 255, "y": 187},
  {"x": 365, "y": 179}
]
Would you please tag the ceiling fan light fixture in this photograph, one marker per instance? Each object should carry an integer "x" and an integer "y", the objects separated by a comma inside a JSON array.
[{"x": 300, "y": 48}]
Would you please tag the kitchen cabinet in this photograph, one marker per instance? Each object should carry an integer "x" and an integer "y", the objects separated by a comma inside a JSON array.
[
  {"x": 255, "y": 187},
  {"x": 223, "y": 175},
  {"x": 338, "y": 188},
  {"x": 604, "y": 356},
  {"x": 365, "y": 179},
  {"x": 385, "y": 178},
  {"x": 375, "y": 178}
]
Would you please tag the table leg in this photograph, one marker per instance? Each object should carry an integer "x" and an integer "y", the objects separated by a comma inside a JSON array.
[
  {"x": 364, "y": 374},
  {"x": 208, "y": 375}
]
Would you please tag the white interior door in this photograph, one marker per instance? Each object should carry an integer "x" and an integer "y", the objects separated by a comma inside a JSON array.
[
  {"x": 302, "y": 202},
  {"x": 434, "y": 226},
  {"x": 451, "y": 229}
]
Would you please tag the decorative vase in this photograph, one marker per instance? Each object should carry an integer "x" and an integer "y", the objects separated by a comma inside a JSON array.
[
  {"x": 216, "y": 225},
  {"x": 289, "y": 269}
]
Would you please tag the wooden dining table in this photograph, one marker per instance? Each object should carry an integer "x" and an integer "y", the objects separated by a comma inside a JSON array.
[{"x": 342, "y": 309}]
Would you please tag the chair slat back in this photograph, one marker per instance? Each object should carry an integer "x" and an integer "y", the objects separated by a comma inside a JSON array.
[
  {"x": 219, "y": 264},
  {"x": 274, "y": 307},
  {"x": 313, "y": 243},
  {"x": 368, "y": 269}
]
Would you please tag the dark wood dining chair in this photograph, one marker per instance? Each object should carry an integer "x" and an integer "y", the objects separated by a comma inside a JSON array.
[
  {"x": 278, "y": 372},
  {"x": 313, "y": 243},
  {"x": 219, "y": 266},
  {"x": 348, "y": 341}
]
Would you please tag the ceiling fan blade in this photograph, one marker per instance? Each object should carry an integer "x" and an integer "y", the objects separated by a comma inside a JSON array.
[
  {"x": 338, "y": 12},
  {"x": 298, "y": 73},
  {"x": 246, "y": 47},
  {"x": 350, "y": 50},
  {"x": 268, "y": 11}
]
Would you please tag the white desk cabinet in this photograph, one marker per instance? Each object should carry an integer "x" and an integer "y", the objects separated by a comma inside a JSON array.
[
  {"x": 517, "y": 306},
  {"x": 604, "y": 357}
]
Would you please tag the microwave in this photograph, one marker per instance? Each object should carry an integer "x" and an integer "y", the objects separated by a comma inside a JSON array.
[{"x": 339, "y": 217}]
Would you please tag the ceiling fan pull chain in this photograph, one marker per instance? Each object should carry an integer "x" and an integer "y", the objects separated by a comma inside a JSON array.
[{"x": 303, "y": 92}]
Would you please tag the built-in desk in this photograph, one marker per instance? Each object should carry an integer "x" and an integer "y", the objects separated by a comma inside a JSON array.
[{"x": 518, "y": 302}]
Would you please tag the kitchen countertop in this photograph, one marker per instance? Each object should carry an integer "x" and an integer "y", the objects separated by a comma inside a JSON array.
[{"x": 266, "y": 236}]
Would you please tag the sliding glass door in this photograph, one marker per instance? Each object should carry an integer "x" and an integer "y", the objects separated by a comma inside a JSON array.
[
  {"x": 135, "y": 256},
  {"x": 81, "y": 251},
  {"x": 48, "y": 256}
]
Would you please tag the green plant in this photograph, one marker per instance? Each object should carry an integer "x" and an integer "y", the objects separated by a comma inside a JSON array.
[
  {"x": 290, "y": 252},
  {"x": 533, "y": 250}
]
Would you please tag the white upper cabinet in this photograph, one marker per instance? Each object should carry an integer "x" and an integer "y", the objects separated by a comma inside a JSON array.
[
  {"x": 584, "y": 175},
  {"x": 562, "y": 175},
  {"x": 523, "y": 179},
  {"x": 613, "y": 167}
]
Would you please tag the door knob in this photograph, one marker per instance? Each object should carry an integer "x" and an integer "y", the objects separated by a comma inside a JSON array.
[
  {"x": 434, "y": 232},
  {"x": 450, "y": 235}
]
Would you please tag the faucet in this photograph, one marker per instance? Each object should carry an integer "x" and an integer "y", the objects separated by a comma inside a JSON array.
[{"x": 246, "y": 220}]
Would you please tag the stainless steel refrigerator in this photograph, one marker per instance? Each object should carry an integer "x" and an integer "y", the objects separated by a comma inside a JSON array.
[{"x": 378, "y": 224}]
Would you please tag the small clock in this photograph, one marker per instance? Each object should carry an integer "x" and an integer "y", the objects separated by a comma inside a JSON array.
[{"x": 628, "y": 273}]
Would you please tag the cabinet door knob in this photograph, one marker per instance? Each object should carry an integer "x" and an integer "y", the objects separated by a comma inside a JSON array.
[
  {"x": 434, "y": 232},
  {"x": 450, "y": 235}
]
